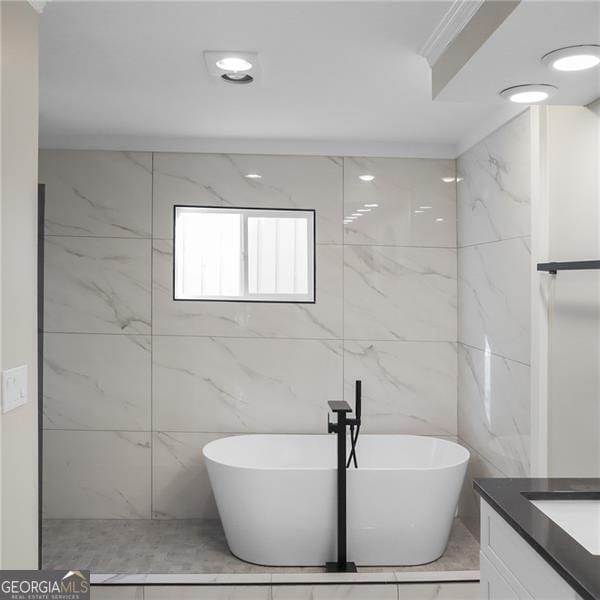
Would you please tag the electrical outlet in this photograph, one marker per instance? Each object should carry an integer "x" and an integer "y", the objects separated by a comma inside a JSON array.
[{"x": 14, "y": 388}]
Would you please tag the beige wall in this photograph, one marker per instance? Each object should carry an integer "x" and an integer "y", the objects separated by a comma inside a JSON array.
[
  {"x": 18, "y": 248},
  {"x": 572, "y": 141}
]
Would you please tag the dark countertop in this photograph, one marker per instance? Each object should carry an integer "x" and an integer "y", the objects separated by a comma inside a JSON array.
[{"x": 511, "y": 499}]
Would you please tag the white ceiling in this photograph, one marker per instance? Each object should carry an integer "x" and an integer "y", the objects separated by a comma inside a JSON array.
[
  {"x": 511, "y": 56},
  {"x": 341, "y": 76}
]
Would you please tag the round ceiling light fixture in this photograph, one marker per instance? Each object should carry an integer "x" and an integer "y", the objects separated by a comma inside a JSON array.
[
  {"x": 237, "y": 77},
  {"x": 529, "y": 93},
  {"x": 234, "y": 64},
  {"x": 573, "y": 58}
]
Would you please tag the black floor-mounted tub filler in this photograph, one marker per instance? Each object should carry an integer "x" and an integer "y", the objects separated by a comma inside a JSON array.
[{"x": 342, "y": 409}]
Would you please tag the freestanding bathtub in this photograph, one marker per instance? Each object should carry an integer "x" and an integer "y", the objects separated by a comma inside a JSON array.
[{"x": 276, "y": 496}]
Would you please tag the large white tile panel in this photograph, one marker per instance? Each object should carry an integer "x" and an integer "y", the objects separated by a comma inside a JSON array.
[
  {"x": 493, "y": 291},
  {"x": 181, "y": 488},
  {"x": 244, "y": 385},
  {"x": 96, "y": 475},
  {"x": 207, "y": 592},
  {"x": 494, "y": 409},
  {"x": 335, "y": 592},
  {"x": 250, "y": 319},
  {"x": 95, "y": 193},
  {"x": 439, "y": 591},
  {"x": 97, "y": 285},
  {"x": 468, "y": 505},
  {"x": 219, "y": 180},
  {"x": 408, "y": 387},
  {"x": 94, "y": 381},
  {"x": 399, "y": 293},
  {"x": 112, "y": 592},
  {"x": 494, "y": 194},
  {"x": 401, "y": 187}
]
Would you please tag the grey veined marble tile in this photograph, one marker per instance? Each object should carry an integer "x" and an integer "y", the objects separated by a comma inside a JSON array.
[
  {"x": 96, "y": 193},
  {"x": 414, "y": 205},
  {"x": 335, "y": 592},
  {"x": 494, "y": 187},
  {"x": 96, "y": 474},
  {"x": 408, "y": 387},
  {"x": 439, "y": 591},
  {"x": 97, "y": 285},
  {"x": 494, "y": 293},
  {"x": 244, "y": 385},
  {"x": 111, "y": 592},
  {"x": 95, "y": 381},
  {"x": 207, "y": 592},
  {"x": 181, "y": 489},
  {"x": 494, "y": 409},
  {"x": 321, "y": 320},
  {"x": 220, "y": 180},
  {"x": 399, "y": 293}
]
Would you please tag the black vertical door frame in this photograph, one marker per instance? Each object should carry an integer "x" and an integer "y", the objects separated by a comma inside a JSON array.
[{"x": 40, "y": 356}]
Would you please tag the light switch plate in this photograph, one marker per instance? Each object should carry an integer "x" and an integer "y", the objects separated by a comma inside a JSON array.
[{"x": 14, "y": 388}]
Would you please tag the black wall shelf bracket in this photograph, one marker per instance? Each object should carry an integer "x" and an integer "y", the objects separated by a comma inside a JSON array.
[{"x": 576, "y": 265}]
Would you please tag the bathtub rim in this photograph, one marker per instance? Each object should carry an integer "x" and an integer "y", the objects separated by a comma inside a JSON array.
[{"x": 463, "y": 461}]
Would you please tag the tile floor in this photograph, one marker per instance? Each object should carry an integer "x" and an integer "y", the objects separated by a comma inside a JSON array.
[{"x": 140, "y": 546}]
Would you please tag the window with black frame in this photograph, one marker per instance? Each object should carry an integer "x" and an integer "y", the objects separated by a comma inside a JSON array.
[{"x": 244, "y": 254}]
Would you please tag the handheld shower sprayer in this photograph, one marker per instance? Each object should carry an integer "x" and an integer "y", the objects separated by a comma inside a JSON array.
[{"x": 355, "y": 425}]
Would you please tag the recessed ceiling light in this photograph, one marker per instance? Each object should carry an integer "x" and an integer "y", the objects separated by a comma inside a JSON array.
[
  {"x": 371, "y": 205},
  {"x": 448, "y": 179},
  {"x": 237, "y": 77},
  {"x": 363, "y": 210},
  {"x": 366, "y": 177},
  {"x": 529, "y": 93},
  {"x": 253, "y": 176},
  {"x": 233, "y": 63},
  {"x": 573, "y": 58}
]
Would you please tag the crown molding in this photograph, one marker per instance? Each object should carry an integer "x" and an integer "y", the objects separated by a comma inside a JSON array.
[
  {"x": 452, "y": 23},
  {"x": 38, "y": 5},
  {"x": 392, "y": 149}
]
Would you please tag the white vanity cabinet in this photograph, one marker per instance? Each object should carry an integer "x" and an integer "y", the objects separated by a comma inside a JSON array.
[{"x": 511, "y": 569}]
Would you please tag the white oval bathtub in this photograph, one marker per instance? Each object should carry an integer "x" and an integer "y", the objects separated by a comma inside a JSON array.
[{"x": 276, "y": 496}]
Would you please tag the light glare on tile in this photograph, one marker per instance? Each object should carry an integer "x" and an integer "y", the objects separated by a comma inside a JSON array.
[
  {"x": 425, "y": 207},
  {"x": 356, "y": 214},
  {"x": 366, "y": 177},
  {"x": 419, "y": 211},
  {"x": 439, "y": 220},
  {"x": 363, "y": 210},
  {"x": 253, "y": 176},
  {"x": 371, "y": 205},
  {"x": 448, "y": 179}
]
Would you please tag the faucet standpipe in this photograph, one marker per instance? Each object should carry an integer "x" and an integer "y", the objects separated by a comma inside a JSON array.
[{"x": 342, "y": 409}]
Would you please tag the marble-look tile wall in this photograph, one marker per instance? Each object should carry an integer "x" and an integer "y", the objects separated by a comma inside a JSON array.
[
  {"x": 136, "y": 384},
  {"x": 494, "y": 274}
]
